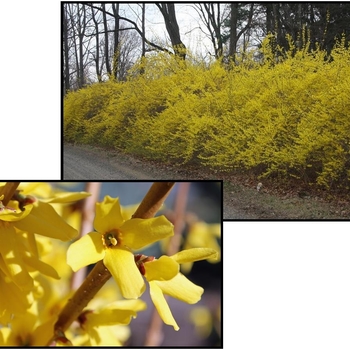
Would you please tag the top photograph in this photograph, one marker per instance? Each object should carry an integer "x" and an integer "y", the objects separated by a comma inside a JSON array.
[{"x": 252, "y": 94}]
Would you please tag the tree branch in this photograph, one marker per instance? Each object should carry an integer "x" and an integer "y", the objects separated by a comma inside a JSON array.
[
  {"x": 8, "y": 191},
  {"x": 135, "y": 27}
]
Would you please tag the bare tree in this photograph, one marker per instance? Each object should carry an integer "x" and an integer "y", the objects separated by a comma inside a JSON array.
[
  {"x": 129, "y": 44},
  {"x": 143, "y": 26},
  {"x": 78, "y": 39},
  {"x": 115, "y": 8},
  {"x": 134, "y": 27},
  {"x": 105, "y": 26},
  {"x": 96, "y": 55},
  {"x": 213, "y": 16},
  {"x": 235, "y": 31},
  {"x": 66, "y": 82},
  {"x": 169, "y": 15}
]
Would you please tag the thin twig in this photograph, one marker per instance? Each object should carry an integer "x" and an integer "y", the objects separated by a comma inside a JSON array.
[
  {"x": 87, "y": 218},
  {"x": 179, "y": 220}
]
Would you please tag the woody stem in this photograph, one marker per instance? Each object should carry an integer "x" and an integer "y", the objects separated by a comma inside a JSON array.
[
  {"x": 153, "y": 200},
  {"x": 8, "y": 191}
]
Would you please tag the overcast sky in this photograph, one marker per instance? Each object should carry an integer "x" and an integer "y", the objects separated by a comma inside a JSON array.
[{"x": 188, "y": 19}]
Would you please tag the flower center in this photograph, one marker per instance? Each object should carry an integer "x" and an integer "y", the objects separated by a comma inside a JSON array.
[{"x": 111, "y": 239}]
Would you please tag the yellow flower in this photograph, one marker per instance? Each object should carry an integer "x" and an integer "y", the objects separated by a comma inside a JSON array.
[
  {"x": 27, "y": 330},
  {"x": 202, "y": 320},
  {"x": 38, "y": 216},
  {"x": 164, "y": 278},
  {"x": 113, "y": 242},
  {"x": 201, "y": 234},
  {"x": 20, "y": 220},
  {"x": 12, "y": 299},
  {"x": 99, "y": 324}
]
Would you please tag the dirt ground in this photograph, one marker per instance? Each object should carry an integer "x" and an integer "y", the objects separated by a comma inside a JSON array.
[
  {"x": 242, "y": 201},
  {"x": 280, "y": 206}
]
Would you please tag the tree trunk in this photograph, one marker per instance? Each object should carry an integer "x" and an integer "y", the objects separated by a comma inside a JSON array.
[
  {"x": 115, "y": 7},
  {"x": 81, "y": 26},
  {"x": 233, "y": 31},
  {"x": 269, "y": 19},
  {"x": 168, "y": 12},
  {"x": 143, "y": 29},
  {"x": 97, "y": 56},
  {"x": 108, "y": 64},
  {"x": 66, "y": 52}
]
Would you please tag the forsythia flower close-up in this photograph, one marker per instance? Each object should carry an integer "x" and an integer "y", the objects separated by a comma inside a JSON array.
[{"x": 97, "y": 264}]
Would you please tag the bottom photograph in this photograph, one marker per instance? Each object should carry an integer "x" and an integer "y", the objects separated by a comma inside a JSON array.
[{"x": 131, "y": 264}]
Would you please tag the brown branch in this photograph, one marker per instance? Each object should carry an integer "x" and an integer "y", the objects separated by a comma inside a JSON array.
[
  {"x": 153, "y": 200},
  {"x": 8, "y": 191},
  {"x": 96, "y": 279}
]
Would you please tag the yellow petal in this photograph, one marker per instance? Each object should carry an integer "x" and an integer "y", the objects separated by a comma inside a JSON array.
[
  {"x": 194, "y": 254},
  {"x": 44, "y": 221},
  {"x": 164, "y": 268},
  {"x": 137, "y": 233},
  {"x": 108, "y": 215},
  {"x": 11, "y": 260},
  {"x": 85, "y": 251},
  {"x": 181, "y": 288},
  {"x": 40, "y": 266},
  {"x": 5, "y": 334},
  {"x": 12, "y": 298},
  {"x": 128, "y": 210},
  {"x": 202, "y": 319},
  {"x": 40, "y": 189},
  {"x": 136, "y": 305},
  {"x": 23, "y": 326},
  {"x": 121, "y": 264},
  {"x": 43, "y": 333},
  {"x": 161, "y": 305},
  {"x": 114, "y": 314},
  {"x": 10, "y": 215},
  {"x": 103, "y": 336},
  {"x": 110, "y": 317},
  {"x": 66, "y": 197}
]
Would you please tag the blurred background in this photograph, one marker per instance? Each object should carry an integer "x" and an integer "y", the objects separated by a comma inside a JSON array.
[{"x": 201, "y": 224}]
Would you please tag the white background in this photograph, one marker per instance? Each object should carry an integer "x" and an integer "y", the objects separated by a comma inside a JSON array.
[
  {"x": 286, "y": 285},
  {"x": 30, "y": 123}
]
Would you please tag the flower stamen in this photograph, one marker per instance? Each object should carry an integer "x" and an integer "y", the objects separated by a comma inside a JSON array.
[{"x": 110, "y": 239}]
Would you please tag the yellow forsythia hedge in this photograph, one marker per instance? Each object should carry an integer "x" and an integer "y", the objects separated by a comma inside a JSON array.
[{"x": 290, "y": 118}]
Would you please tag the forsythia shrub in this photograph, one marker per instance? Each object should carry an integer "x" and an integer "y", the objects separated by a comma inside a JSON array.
[
  {"x": 86, "y": 110},
  {"x": 285, "y": 115}
]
